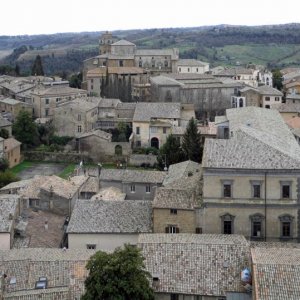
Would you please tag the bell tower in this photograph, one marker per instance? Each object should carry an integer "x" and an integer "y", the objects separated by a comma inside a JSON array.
[{"x": 105, "y": 42}]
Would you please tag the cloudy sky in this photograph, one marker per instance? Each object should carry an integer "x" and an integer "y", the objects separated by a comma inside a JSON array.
[{"x": 37, "y": 17}]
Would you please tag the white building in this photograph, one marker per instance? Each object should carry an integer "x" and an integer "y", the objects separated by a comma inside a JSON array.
[{"x": 192, "y": 66}]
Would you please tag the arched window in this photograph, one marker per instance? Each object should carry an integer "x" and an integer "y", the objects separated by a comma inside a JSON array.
[
  {"x": 155, "y": 143},
  {"x": 118, "y": 150}
]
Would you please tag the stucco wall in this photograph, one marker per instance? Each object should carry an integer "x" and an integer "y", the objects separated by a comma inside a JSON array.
[{"x": 105, "y": 241}]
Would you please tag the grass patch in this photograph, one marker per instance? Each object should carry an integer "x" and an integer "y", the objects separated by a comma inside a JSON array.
[
  {"x": 67, "y": 171},
  {"x": 20, "y": 167}
]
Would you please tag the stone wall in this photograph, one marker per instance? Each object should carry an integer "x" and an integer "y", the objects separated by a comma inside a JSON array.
[
  {"x": 185, "y": 220},
  {"x": 139, "y": 159},
  {"x": 55, "y": 157}
]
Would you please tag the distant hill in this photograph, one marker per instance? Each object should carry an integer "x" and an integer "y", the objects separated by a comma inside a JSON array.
[{"x": 273, "y": 46}]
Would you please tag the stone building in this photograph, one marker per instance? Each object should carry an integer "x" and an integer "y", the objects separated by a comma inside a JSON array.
[
  {"x": 106, "y": 225},
  {"x": 13, "y": 107},
  {"x": 153, "y": 122},
  {"x": 45, "y": 100},
  {"x": 136, "y": 184},
  {"x": 99, "y": 147},
  {"x": 251, "y": 179},
  {"x": 209, "y": 95},
  {"x": 192, "y": 66},
  {"x": 192, "y": 267},
  {"x": 125, "y": 54},
  {"x": 12, "y": 151},
  {"x": 75, "y": 117},
  {"x": 175, "y": 204},
  {"x": 262, "y": 96}
]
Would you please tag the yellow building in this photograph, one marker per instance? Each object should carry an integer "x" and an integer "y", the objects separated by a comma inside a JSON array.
[{"x": 251, "y": 180}]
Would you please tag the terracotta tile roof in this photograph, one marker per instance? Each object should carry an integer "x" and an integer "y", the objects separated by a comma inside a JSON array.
[
  {"x": 8, "y": 206},
  {"x": 293, "y": 122},
  {"x": 191, "y": 264},
  {"x": 130, "y": 216},
  {"x": 64, "y": 269},
  {"x": 276, "y": 273},
  {"x": 260, "y": 140},
  {"x": 132, "y": 175}
]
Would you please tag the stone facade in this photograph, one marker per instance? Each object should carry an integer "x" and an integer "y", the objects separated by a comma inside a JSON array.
[{"x": 164, "y": 218}]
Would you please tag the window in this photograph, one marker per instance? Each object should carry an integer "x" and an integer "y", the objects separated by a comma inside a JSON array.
[
  {"x": 286, "y": 226},
  {"x": 256, "y": 226},
  {"x": 256, "y": 188},
  {"x": 132, "y": 188},
  {"x": 148, "y": 188},
  {"x": 91, "y": 246},
  {"x": 276, "y": 98},
  {"x": 92, "y": 80},
  {"x": 137, "y": 130},
  {"x": 174, "y": 297},
  {"x": 179, "y": 70},
  {"x": 173, "y": 211},
  {"x": 47, "y": 112},
  {"x": 153, "y": 129},
  {"x": 166, "y": 64},
  {"x": 227, "y": 223},
  {"x": 138, "y": 144},
  {"x": 267, "y": 98},
  {"x": 286, "y": 189},
  {"x": 92, "y": 87},
  {"x": 267, "y": 106},
  {"x": 79, "y": 117},
  {"x": 164, "y": 130},
  {"x": 188, "y": 69},
  {"x": 140, "y": 64},
  {"x": 197, "y": 70},
  {"x": 47, "y": 101},
  {"x": 172, "y": 229},
  {"x": 227, "y": 188},
  {"x": 199, "y": 230},
  {"x": 121, "y": 63},
  {"x": 79, "y": 128}
]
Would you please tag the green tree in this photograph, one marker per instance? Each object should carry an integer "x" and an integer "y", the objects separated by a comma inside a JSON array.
[
  {"x": 191, "y": 145},
  {"x": 120, "y": 275},
  {"x": 37, "y": 67},
  {"x": 122, "y": 128},
  {"x": 170, "y": 153},
  {"x": 7, "y": 177},
  {"x": 25, "y": 130},
  {"x": 4, "y": 164},
  {"x": 277, "y": 79},
  {"x": 17, "y": 70},
  {"x": 4, "y": 133},
  {"x": 76, "y": 80}
]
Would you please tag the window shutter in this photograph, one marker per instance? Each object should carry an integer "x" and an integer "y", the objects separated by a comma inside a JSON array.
[{"x": 177, "y": 230}]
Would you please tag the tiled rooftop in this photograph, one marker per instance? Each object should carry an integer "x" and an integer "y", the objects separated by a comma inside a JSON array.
[
  {"x": 138, "y": 176},
  {"x": 130, "y": 216},
  {"x": 174, "y": 198},
  {"x": 58, "y": 90},
  {"x": 99, "y": 133},
  {"x": 191, "y": 62},
  {"x": 8, "y": 206},
  {"x": 276, "y": 273},
  {"x": 64, "y": 269},
  {"x": 261, "y": 140},
  {"x": 144, "y": 112},
  {"x": 193, "y": 264}
]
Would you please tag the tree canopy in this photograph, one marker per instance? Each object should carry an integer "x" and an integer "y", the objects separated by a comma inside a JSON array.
[
  {"x": 37, "y": 67},
  {"x": 171, "y": 152},
  {"x": 191, "y": 144},
  {"x": 120, "y": 275},
  {"x": 25, "y": 130}
]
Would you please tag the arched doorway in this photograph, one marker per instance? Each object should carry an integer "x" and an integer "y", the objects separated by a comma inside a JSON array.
[
  {"x": 155, "y": 143},
  {"x": 118, "y": 150}
]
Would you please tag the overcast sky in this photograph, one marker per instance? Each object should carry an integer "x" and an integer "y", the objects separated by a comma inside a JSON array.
[{"x": 37, "y": 17}]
